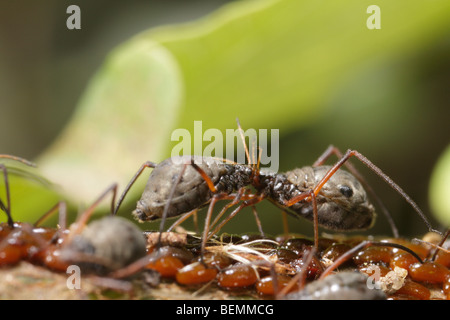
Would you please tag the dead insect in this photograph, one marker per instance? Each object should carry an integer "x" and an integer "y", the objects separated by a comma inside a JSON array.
[{"x": 332, "y": 198}]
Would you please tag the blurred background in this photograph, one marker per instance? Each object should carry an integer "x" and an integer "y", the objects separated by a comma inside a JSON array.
[{"x": 384, "y": 94}]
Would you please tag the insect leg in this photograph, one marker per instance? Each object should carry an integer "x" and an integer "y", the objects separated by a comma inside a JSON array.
[
  {"x": 362, "y": 245},
  {"x": 7, "y": 207},
  {"x": 300, "y": 277},
  {"x": 77, "y": 226},
  {"x": 440, "y": 244},
  {"x": 258, "y": 221},
  {"x": 214, "y": 199},
  {"x": 147, "y": 164},
  {"x": 333, "y": 150},
  {"x": 182, "y": 219},
  {"x": 250, "y": 200},
  {"x": 309, "y": 196},
  {"x": 236, "y": 198},
  {"x": 350, "y": 153},
  {"x": 285, "y": 222},
  {"x": 61, "y": 208}
]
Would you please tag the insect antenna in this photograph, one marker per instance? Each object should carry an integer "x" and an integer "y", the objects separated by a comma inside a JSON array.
[
  {"x": 353, "y": 153},
  {"x": 333, "y": 150},
  {"x": 19, "y": 159},
  {"x": 241, "y": 133}
]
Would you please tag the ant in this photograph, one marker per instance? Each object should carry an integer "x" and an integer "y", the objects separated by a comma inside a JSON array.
[{"x": 332, "y": 198}]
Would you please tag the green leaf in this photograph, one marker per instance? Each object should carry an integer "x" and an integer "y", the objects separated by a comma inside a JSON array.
[
  {"x": 31, "y": 194},
  {"x": 440, "y": 189},
  {"x": 131, "y": 102},
  {"x": 271, "y": 63}
]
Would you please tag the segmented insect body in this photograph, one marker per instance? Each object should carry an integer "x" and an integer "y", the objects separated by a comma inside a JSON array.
[
  {"x": 192, "y": 191},
  {"x": 342, "y": 203},
  {"x": 339, "y": 286},
  {"x": 329, "y": 196}
]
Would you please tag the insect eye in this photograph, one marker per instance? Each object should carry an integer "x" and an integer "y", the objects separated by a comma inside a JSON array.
[{"x": 346, "y": 191}]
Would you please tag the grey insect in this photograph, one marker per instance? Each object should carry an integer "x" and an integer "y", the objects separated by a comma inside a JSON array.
[
  {"x": 345, "y": 285},
  {"x": 192, "y": 190},
  {"x": 329, "y": 196},
  {"x": 342, "y": 203},
  {"x": 105, "y": 245}
]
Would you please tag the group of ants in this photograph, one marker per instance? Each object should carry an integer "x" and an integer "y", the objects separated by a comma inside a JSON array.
[{"x": 115, "y": 248}]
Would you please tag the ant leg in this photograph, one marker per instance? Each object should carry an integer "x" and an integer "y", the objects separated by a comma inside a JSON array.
[
  {"x": 333, "y": 150},
  {"x": 147, "y": 164},
  {"x": 353, "y": 153},
  {"x": 77, "y": 226}
]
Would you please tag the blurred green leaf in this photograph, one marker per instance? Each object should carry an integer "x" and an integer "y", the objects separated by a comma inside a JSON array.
[
  {"x": 31, "y": 194},
  {"x": 270, "y": 63},
  {"x": 131, "y": 102},
  {"x": 440, "y": 189}
]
